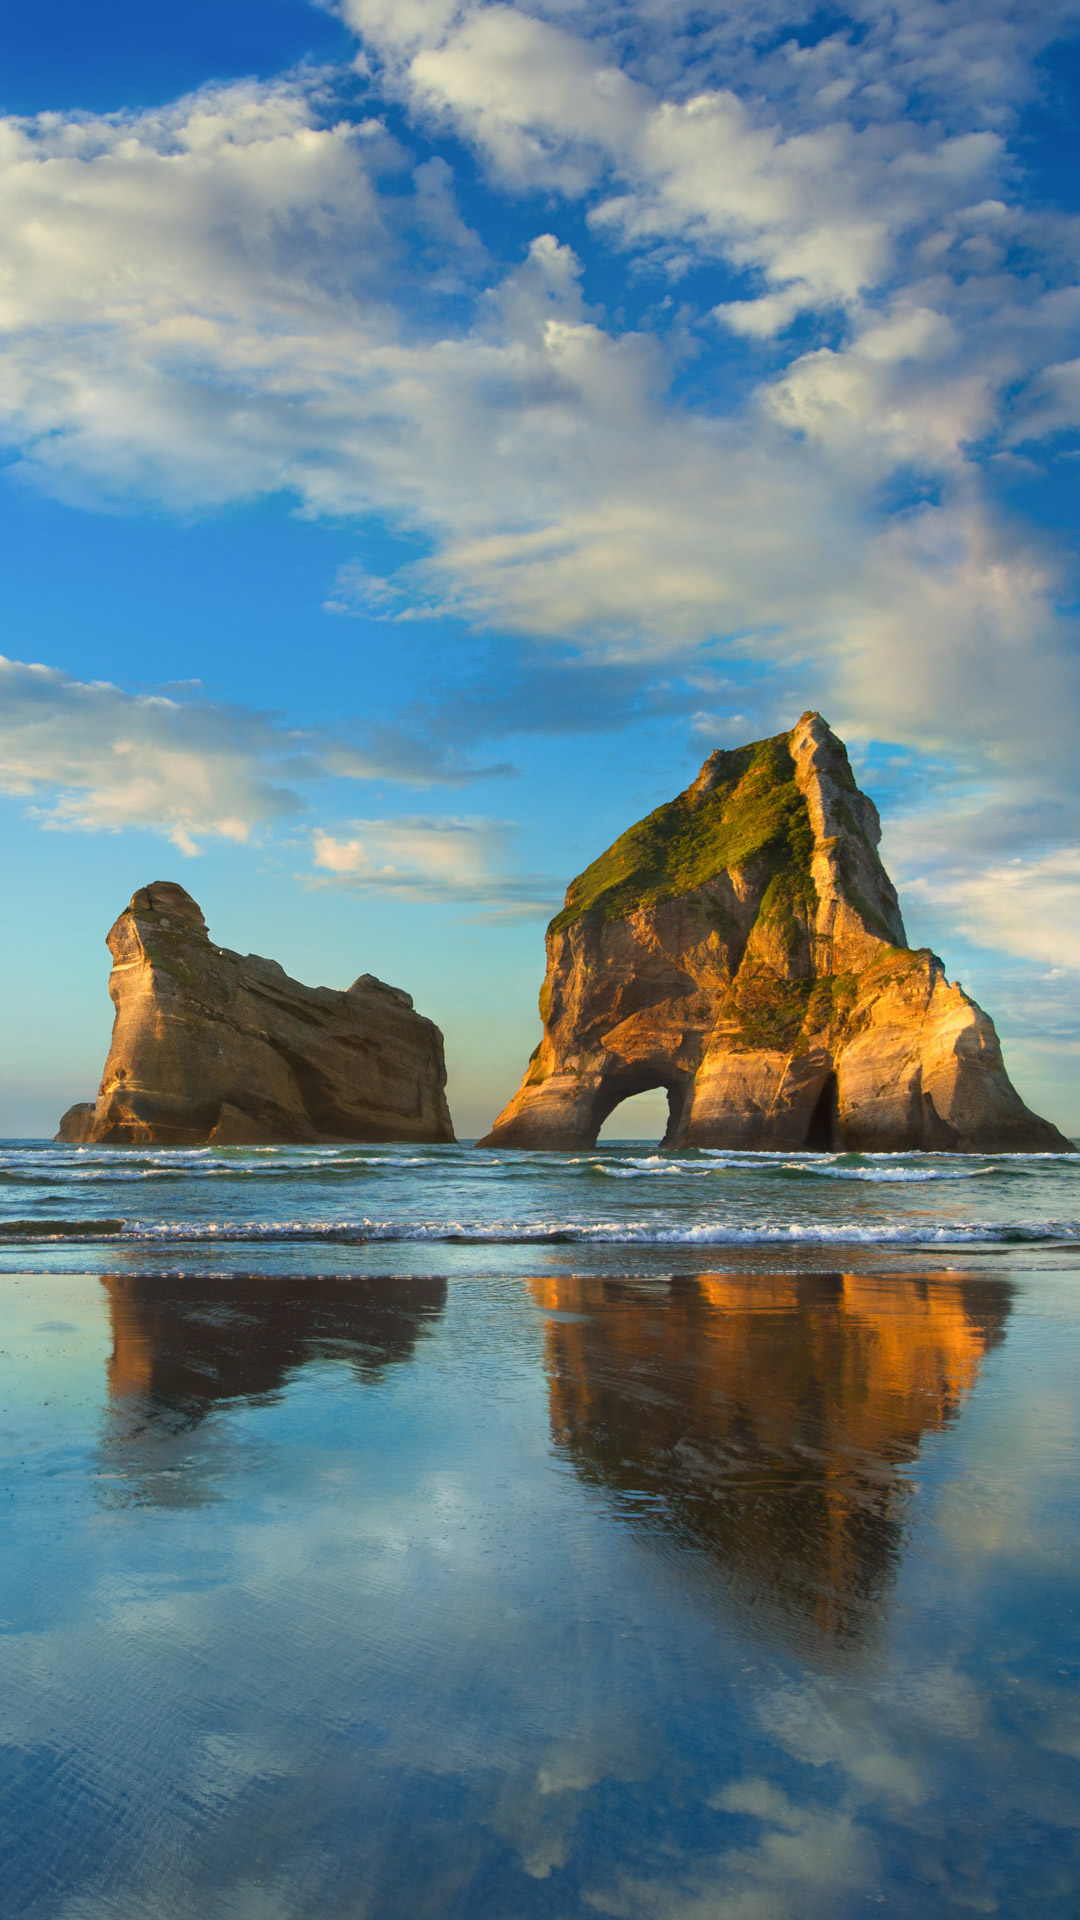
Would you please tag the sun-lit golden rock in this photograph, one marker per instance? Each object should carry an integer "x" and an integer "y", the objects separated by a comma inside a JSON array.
[{"x": 743, "y": 948}]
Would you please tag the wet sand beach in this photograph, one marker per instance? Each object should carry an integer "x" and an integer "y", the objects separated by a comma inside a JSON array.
[{"x": 427, "y": 1578}]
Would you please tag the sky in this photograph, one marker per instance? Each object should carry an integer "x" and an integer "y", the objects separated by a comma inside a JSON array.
[{"x": 429, "y": 429}]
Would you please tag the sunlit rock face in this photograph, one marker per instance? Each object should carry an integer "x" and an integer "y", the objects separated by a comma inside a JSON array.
[
  {"x": 214, "y": 1046},
  {"x": 763, "y": 1424},
  {"x": 743, "y": 948}
]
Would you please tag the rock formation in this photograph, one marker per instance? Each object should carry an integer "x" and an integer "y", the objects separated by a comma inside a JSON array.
[
  {"x": 743, "y": 948},
  {"x": 210, "y": 1046},
  {"x": 188, "y": 1346},
  {"x": 767, "y": 1423}
]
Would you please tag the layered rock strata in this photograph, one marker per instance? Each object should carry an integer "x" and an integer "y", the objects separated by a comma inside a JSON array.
[
  {"x": 743, "y": 948},
  {"x": 211, "y": 1046}
]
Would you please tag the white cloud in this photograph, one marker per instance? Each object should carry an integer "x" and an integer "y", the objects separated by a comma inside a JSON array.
[
  {"x": 1050, "y": 404},
  {"x": 969, "y": 56},
  {"x": 952, "y": 641},
  {"x": 1029, "y": 907},
  {"x": 158, "y": 270},
  {"x": 106, "y": 759},
  {"x": 435, "y": 858},
  {"x": 207, "y": 303},
  {"x": 89, "y": 755},
  {"x": 904, "y": 391},
  {"x": 215, "y": 300},
  {"x": 816, "y": 196}
]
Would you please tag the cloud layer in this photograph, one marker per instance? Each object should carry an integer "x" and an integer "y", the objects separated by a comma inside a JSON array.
[
  {"x": 853, "y": 328},
  {"x": 90, "y": 756}
]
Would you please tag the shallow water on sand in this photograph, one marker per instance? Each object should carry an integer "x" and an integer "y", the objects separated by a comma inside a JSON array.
[{"x": 478, "y": 1592}]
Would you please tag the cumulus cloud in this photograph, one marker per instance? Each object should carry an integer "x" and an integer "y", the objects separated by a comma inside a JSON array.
[
  {"x": 106, "y": 759},
  {"x": 210, "y": 301},
  {"x": 995, "y": 865},
  {"x": 436, "y": 858},
  {"x": 813, "y": 183},
  {"x": 220, "y": 299},
  {"x": 966, "y": 57},
  {"x": 157, "y": 272}
]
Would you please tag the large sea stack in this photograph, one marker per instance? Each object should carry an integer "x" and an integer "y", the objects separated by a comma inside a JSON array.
[
  {"x": 212, "y": 1046},
  {"x": 743, "y": 948}
]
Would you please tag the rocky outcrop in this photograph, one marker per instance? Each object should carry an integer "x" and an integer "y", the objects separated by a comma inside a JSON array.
[
  {"x": 767, "y": 1422},
  {"x": 187, "y": 1346},
  {"x": 211, "y": 1046},
  {"x": 743, "y": 948}
]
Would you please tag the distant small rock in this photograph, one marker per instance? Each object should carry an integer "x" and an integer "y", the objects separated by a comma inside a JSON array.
[{"x": 212, "y": 1047}]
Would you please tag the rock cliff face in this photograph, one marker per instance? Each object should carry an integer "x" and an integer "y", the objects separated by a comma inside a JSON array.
[
  {"x": 210, "y": 1046},
  {"x": 743, "y": 948}
]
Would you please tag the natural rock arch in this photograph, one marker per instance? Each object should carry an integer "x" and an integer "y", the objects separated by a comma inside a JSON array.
[
  {"x": 743, "y": 947},
  {"x": 824, "y": 1134},
  {"x": 624, "y": 1085}
]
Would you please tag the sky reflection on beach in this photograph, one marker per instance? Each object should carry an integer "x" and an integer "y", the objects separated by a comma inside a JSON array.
[{"x": 706, "y": 1595}]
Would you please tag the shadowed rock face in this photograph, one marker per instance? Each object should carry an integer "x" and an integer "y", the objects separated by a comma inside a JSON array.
[
  {"x": 210, "y": 1046},
  {"x": 743, "y": 948}
]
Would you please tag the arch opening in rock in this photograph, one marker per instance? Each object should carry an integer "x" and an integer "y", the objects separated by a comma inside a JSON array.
[
  {"x": 625, "y": 1086},
  {"x": 824, "y": 1134},
  {"x": 641, "y": 1116}
]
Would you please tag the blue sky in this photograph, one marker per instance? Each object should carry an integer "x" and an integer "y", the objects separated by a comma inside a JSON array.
[{"x": 430, "y": 429}]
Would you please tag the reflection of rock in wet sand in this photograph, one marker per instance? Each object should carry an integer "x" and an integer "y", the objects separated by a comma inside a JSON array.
[
  {"x": 766, "y": 1421},
  {"x": 183, "y": 1347}
]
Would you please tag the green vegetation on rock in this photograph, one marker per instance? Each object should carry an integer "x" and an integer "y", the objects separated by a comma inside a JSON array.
[
  {"x": 771, "y": 1011},
  {"x": 754, "y": 812}
]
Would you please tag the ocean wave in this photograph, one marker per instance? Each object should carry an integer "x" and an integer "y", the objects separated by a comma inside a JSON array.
[
  {"x": 892, "y": 1176},
  {"x": 557, "y": 1232},
  {"x": 785, "y": 1167},
  {"x": 336, "y": 1167},
  {"x": 119, "y": 1170}
]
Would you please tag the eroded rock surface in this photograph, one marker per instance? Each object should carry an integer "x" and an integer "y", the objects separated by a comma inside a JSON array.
[
  {"x": 212, "y": 1046},
  {"x": 743, "y": 948}
]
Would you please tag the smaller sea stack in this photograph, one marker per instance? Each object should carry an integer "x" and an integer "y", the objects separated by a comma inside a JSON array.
[{"x": 216, "y": 1047}]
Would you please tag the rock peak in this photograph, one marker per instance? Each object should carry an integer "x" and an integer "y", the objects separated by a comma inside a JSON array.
[
  {"x": 743, "y": 948},
  {"x": 170, "y": 903}
]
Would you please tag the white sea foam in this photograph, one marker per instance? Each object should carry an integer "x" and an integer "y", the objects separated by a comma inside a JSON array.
[
  {"x": 620, "y": 1233},
  {"x": 605, "y": 1197}
]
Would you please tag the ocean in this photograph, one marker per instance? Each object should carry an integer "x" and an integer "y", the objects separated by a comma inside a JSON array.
[
  {"x": 162, "y": 1202},
  {"x": 430, "y": 1534}
]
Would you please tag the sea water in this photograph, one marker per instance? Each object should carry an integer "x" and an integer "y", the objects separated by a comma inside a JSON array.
[
  {"x": 172, "y": 1198},
  {"x": 398, "y": 1534}
]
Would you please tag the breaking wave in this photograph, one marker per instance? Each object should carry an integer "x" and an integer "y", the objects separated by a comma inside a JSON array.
[{"x": 897, "y": 1233}]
